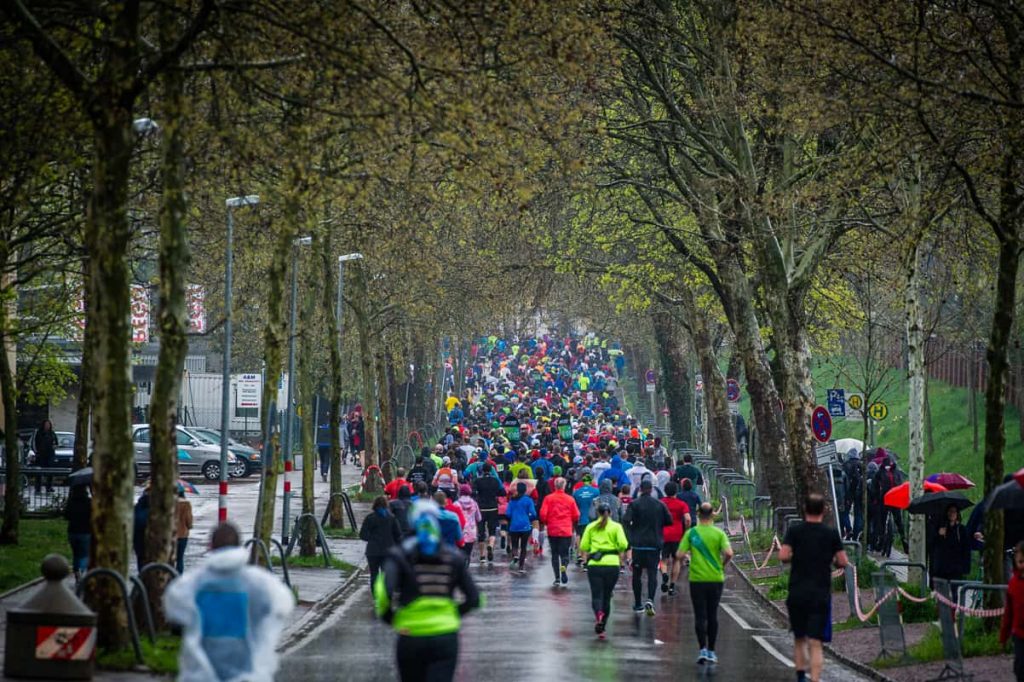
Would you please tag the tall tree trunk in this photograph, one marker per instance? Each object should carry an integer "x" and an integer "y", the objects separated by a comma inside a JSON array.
[
  {"x": 798, "y": 398},
  {"x": 174, "y": 265},
  {"x": 717, "y": 422},
  {"x": 83, "y": 416},
  {"x": 307, "y": 415},
  {"x": 998, "y": 364},
  {"x": 108, "y": 236},
  {"x": 361, "y": 302},
  {"x": 330, "y": 280},
  {"x": 9, "y": 395},
  {"x": 275, "y": 333},
  {"x": 417, "y": 394},
  {"x": 929, "y": 431},
  {"x": 764, "y": 396},
  {"x": 676, "y": 380},
  {"x": 393, "y": 427},
  {"x": 383, "y": 403},
  {"x": 916, "y": 379}
]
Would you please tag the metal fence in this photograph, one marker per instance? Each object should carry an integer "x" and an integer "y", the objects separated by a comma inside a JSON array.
[{"x": 43, "y": 491}]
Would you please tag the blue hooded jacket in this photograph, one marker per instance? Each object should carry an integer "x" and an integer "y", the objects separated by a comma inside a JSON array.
[
  {"x": 521, "y": 514},
  {"x": 615, "y": 474}
]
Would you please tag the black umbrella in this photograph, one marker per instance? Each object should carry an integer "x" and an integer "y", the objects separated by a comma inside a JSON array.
[
  {"x": 80, "y": 477},
  {"x": 937, "y": 503},
  {"x": 1009, "y": 495}
]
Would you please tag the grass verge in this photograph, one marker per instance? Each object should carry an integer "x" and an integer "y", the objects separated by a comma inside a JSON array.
[
  {"x": 317, "y": 561},
  {"x": 344, "y": 533},
  {"x": 976, "y": 641},
  {"x": 161, "y": 657},
  {"x": 37, "y": 537}
]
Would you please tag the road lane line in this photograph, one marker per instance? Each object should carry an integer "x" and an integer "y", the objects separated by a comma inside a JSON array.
[
  {"x": 736, "y": 617},
  {"x": 773, "y": 651}
]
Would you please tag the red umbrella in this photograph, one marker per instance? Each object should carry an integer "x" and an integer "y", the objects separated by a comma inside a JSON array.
[
  {"x": 899, "y": 496},
  {"x": 951, "y": 481}
]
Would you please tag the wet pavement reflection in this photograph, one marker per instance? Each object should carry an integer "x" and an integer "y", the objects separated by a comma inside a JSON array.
[{"x": 529, "y": 630}]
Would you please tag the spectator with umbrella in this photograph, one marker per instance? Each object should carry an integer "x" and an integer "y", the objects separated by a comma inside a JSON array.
[{"x": 949, "y": 541}]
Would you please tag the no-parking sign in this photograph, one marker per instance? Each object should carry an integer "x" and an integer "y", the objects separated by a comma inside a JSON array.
[{"x": 821, "y": 424}]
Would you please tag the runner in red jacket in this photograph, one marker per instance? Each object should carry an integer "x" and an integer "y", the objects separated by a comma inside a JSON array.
[
  {"x": 560, "y": 514},
  {"x": 680, "y": 513}
]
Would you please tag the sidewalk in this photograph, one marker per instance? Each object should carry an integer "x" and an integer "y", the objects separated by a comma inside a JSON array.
[{"x": 313, "y": 586}]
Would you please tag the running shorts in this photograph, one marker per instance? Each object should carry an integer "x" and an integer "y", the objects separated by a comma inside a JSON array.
[
  {"x": 669, "y": 549},
  {"x": 488, "y": 524},
  {"x": 810, "y": 620}
]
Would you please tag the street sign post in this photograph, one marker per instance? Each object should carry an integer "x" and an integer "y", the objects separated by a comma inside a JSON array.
[
  {"x": 878, "y": 411},
  {"x": 836, "y": 401},
  {"x": 826, "y": 457},
  {"x": 854, "y": 406},
  {"x": 821, "y": 424},
  {"x": 732, "y": 390}
]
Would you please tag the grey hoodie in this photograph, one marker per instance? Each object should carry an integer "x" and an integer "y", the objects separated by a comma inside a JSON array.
[{"x": 609, "y": 498}]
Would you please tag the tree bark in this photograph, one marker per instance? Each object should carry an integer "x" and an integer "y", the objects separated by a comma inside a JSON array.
[
  {"x": 9, "y": 395},
  {"x": 330, "y": 279},
  {"x": 275, "y": 333},
  {"x": 108, "y": 235},
  {"x": 173, "y": 321},
  {"x": 998, "y": 363},
  {"x": 717, "y": 422},
  {"x": 916, "y": 379},
  {"x": 383, "y": 403},
  {"x": 360, "y": 307},
  {"x": 83, "y": 416},
  {"x": 675, "y": 377},
  {"x": 308, "y": 417},
  {"x": 764, "y": 397}
]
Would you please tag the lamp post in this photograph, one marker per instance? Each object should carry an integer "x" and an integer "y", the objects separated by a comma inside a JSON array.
[
  {"x": 290, "y": 407},
  {"x": 225, "y": 396}
]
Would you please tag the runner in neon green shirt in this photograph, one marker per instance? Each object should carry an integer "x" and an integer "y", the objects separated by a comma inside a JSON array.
[{"x": 709, "y": 551}]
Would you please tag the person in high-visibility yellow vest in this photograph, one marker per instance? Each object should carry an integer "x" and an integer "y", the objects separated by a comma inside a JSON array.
[{"x": 425, "y": 573}]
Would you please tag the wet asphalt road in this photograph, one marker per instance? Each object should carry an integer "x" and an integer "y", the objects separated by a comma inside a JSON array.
[{"x": 529, "y": 630}]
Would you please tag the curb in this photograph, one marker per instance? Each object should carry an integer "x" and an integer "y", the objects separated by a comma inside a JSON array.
[
  {"x": 829, "y": 649},
  {"x": 294, "y": 634},
  {"x": 24, "y": 586}
]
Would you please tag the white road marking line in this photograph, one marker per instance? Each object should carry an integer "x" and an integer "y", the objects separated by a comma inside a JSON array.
[
  {"x": 736, "y": 617},
  {"x": 773, "y": 651}
]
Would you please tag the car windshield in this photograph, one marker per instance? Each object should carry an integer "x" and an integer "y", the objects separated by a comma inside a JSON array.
[
  {"x": 206, "y": 437},
  {"x": 65, "y": 440}
]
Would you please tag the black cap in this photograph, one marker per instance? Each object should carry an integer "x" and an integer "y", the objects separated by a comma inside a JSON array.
[{"x": 646, "y": 485}]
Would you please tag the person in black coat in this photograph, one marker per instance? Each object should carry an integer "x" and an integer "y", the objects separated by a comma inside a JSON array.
[
  {"x": 78, "y": 512},
  {"x": 380, "y": 532},
  {"x": 951, "y": 547},
  {"x": 400, "y": 509},
  {"x": 44, "y": 444}
]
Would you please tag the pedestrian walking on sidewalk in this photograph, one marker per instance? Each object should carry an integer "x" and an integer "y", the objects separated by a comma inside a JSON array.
[
  {"x": 182, "y": 525},
  {"x": 812, "y": 548},
  {"x": 78, "y": 512},
  {"x": 415, "y": 593},
  {"x": 380, "y": 531},
  {"x": 231, "y": 614},
  {"x": 710, "y": 551}
]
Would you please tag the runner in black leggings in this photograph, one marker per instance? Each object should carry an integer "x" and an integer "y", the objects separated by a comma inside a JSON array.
[{"x": 602, "y": 544}]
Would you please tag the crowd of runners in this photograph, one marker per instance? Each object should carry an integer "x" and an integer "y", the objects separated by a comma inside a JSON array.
[{"x": 540, "y": 456}]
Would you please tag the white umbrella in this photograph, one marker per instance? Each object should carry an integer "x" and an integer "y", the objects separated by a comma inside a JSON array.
[{"x": 845, "y": 445}]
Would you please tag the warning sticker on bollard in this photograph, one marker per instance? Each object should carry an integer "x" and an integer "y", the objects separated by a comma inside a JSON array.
[{"x": 65, "y": 644}]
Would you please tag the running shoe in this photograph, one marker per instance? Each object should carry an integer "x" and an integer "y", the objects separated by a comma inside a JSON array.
[
  {"x": 712, "y": 658},
  {"x": 672, "y": 589},
  {"x": 565, "y": 576},
  {"x": 599, "y": 623},
  {"x": 702, "y": 657},
  {"x": 664, "y": 583},
  {"x": 556, "y": 583},
  {"x": 522, "y": 571},
  {"x": 638, "y": 609},
  {"x": 649, "y": 608}
]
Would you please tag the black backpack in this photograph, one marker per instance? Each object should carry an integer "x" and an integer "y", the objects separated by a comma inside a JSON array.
[{"x": 854, "y": 479}]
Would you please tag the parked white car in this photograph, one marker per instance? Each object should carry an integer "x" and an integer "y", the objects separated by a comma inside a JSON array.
[{"x": 194, "y": 455}]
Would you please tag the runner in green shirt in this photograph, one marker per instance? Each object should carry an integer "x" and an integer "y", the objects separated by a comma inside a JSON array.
[{"x": 709, "y": 551}]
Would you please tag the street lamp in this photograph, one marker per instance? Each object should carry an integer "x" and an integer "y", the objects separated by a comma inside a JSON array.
[
  {"x": 290, "y": 408},
  {"x": 225, "y": 397}
]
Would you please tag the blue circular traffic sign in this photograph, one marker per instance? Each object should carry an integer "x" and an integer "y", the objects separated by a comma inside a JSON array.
[
  {"x": 732, "y": 390},
  {"x": 821, "y": 424}
]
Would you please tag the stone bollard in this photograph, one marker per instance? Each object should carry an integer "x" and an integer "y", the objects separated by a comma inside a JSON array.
[{"x": 53, "y": 634}]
